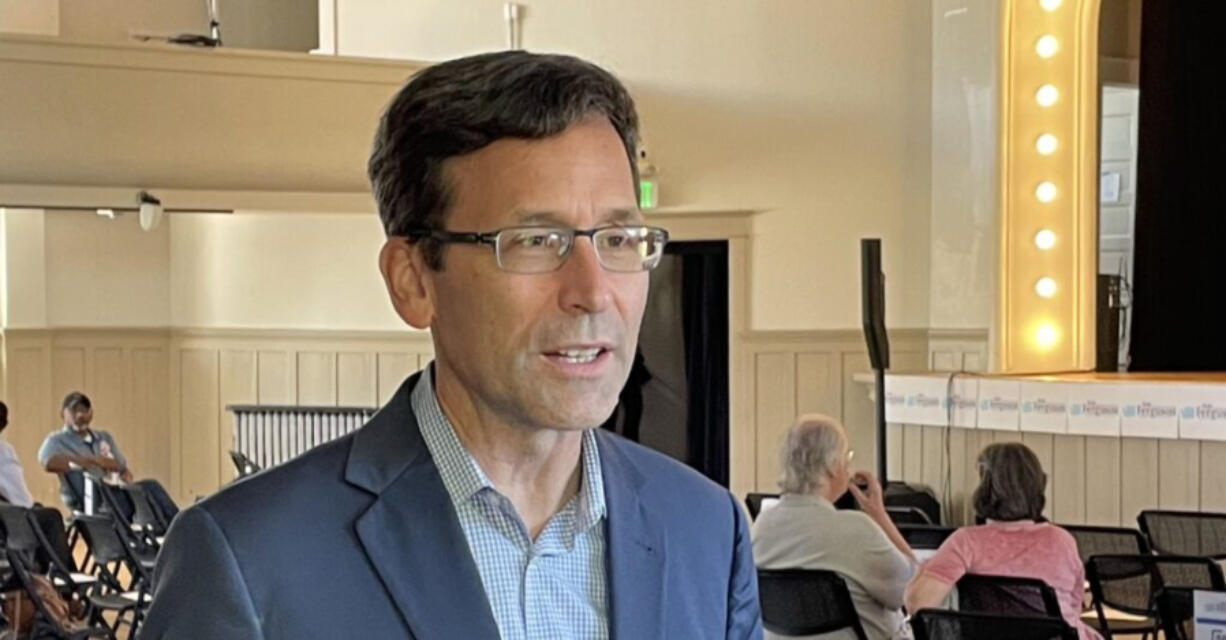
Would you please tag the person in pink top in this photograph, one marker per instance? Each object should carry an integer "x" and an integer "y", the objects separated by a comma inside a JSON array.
[{"x": 1014, "y": 542}]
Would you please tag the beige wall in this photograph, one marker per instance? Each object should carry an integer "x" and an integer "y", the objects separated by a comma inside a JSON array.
[
  {"x": 35, "y": 17},
  {"x": 300, "y": 271},
  {"x": 817, "y": 110},
  {"x": 25, "y": 268},
  {"x": 103, "y": 272}
]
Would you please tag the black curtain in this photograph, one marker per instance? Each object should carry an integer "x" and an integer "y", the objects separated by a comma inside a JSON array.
[
  {"x": 704, "y": 311},
  {"x": 1179, "y": 310}
]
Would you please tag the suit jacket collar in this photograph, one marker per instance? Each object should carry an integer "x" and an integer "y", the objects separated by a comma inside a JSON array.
[
  {"x": 412, "y": 536},
  {"x": 636, "y": 544},
  {"x": 411, "y": 533}
]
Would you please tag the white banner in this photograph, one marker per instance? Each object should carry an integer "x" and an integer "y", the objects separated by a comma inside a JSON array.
[
  {"x": 1209, "y": 615},
  {"x": 1202, "y": 413},
  {"x": 999, "y": 404},
  {"x": 917, "y": 400},
  {"x": 1150, "y": 411},
  {"x": 1044, "y": 407},
  {"x": 965, "y": 403},
  {"x": 1094, "y": 409}
]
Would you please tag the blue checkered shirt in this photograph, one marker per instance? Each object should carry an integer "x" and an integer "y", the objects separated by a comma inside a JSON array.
[{"x": 555, "y": 587}]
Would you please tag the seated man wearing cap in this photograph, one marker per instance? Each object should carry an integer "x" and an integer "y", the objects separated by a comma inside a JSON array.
[{"x": 77, "y": 447}]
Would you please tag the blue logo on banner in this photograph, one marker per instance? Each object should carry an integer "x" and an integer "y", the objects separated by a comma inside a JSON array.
[
  {"x": 985, "y": 405},
  {"x": 1130, "y": 410},
  {"x": 1077, "y": 409},
  {"x": 1028, "y": 407},
  {"x": 910, "y": 401},
  {"x": 1189, "y": 413}
]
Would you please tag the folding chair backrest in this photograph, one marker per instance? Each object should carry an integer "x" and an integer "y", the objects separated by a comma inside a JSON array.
[
  {"x": 907, "y": 515},
  {"x": 1099, "y": 541},
  {"x": 940, "y": 624},
  {"x": 801, "y": 602},
  {"x": 1185, "y": 533},
  {"x": 1124, "y": 582},
  {"x": 1191, "y": 572},
  {"x": 144, "y": 514},
  {"x": 1131, "y": 583},
  {"x": 62, "y": 565},
  {"x": 1007, "y": 595},
  {"x": 18, "y": 533},
  {"x": 116, "y": 501},
  {"x": 925, "y": 536},
  {"x": 103, "y": 539},
  {"x": 753, "y": 502},
  {"x": 1175, "y": 612}
]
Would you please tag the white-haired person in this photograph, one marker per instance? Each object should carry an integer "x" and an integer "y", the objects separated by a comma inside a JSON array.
[{"x": 805, "y": 531}]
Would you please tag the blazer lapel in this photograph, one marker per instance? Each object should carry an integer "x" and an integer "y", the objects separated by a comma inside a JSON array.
[
  {"x": 411, "y": 533},
  {"x": 635, "y": 548}
]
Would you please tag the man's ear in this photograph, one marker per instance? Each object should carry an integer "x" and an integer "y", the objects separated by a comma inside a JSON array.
[{"x": 405, "y": 273}]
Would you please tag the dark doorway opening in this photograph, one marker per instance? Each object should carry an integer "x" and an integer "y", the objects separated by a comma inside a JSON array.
[{"x": 676, "y": 398}]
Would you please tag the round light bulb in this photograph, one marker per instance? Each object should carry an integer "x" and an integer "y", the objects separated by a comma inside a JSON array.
[
  {"x": 1045, "y": 239},
  {"x": 1047, "y": 46},
  {"x": 1050, "y": 5},
  {"x": 1045, "y": 287},
  {"x": 1046, "y": 144},
  {"x": 1047, "y": 336},
  {"x": 1045, "y": 192},
  {"x": 1047, "y": 95}
]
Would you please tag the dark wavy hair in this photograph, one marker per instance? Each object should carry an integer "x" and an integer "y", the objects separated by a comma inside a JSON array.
[
  {"x": 458, "y": 107},
  {"x": 1011, "y": 483}
]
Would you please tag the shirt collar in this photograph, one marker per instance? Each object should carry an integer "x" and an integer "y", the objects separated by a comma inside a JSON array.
[
  {"x": 68, "y": 430},
  {"x": 464, "y": 478},
  {"x": 806, "y": 498}
]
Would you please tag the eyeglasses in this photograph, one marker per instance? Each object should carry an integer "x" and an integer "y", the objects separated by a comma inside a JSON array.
[{"x": 622, "y": 249}]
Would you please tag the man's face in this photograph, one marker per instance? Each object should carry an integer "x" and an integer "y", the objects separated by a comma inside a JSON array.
[
  {"x": 505, "y": 336},
  {"x": 78, "y": 418}
]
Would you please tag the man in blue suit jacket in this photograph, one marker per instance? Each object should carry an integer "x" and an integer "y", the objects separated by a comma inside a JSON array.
[{"x": 481, "y": 502}]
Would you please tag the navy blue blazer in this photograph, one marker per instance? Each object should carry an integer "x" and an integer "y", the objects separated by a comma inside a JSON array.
[{"x": 358, "y": 539}]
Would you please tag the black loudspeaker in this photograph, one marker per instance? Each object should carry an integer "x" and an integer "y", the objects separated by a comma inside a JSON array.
[
  {"x": 1108, "y": 330},
  {"x": 872, "y": 304}
]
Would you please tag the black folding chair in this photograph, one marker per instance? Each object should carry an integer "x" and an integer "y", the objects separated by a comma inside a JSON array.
[
  {"x": 112, "y": 554},
  {"x": 925, "y": 536},
  {"x": 1130, "y": 583},
  {"x": 1185, "y": 533},
  {"x": 21, "y": 544},
  {"x": 1007, "y": 595},
  {"x": 907, "y": 515},
  {"x": 941, "y": 624},
  {"x": 244, "y": 464},
  {"x": 753, "y": 502},
  {"x": 803, "y": 602},
  {"x": 61, "y": 570},
  {"x": 119, "y": 505},
  {"x": 1106, "y": 541},
  {"x": 147, "y": 519}
]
